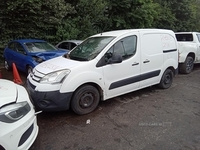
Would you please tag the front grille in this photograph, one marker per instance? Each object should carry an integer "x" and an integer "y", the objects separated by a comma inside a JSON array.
[
  {"x": 37, "y": 76},
  {"x": 26, "y": 135}
]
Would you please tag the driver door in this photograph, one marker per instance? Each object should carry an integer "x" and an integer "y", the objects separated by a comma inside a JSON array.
[{"x": 121, "y": 78}]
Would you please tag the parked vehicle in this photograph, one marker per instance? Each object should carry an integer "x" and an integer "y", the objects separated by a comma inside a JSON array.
[
  {"x": 27, "y": 53},
  {"x": 104, "y": 66},
  {"x": 68, "y": 44},
  {"x": 189, "y": 50},
  {"x": 18, "y": 122}
]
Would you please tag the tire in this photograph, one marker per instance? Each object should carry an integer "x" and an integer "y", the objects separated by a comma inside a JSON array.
[
  {"x": 6, "y": 65},
  {"x": 85, "y": 100},
  {"x": 187, "y": 66},
  {"x": 29, "y": 70},
  {"x": 167, "y": 79}
]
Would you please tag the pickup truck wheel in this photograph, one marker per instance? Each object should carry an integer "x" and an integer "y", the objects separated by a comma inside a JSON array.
[
  {"x": 187, "y": 66},
  {"x": 85, "y": 100},
  {"x": 167, "y": 79}
]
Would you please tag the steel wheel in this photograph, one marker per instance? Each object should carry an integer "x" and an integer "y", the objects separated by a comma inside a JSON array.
[
  {"x": 85, "y": 100},
  {"x": 167, "y": 79},
  {"x": 187, "y": 66}
]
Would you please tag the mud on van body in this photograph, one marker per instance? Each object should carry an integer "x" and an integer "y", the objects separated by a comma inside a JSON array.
[{"x": 104, "y": 66}]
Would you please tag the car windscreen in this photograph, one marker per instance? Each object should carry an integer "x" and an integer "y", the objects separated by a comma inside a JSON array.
[
  {"x": 39, "y": 47},
  {"x": 184, "y": 37},
  {"x": 90, "y": 48}
]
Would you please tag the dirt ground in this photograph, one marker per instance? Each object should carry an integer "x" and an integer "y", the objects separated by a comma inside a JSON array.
[{"x": 148, "y": 119}]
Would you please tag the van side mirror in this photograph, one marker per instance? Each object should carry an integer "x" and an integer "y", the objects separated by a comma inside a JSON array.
[{"x": 116, "y": 58}]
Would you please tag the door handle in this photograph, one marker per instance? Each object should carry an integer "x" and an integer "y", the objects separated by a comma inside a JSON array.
[
  {"x": 135, "y": 63},
  {"x": 146, "y": 61}
]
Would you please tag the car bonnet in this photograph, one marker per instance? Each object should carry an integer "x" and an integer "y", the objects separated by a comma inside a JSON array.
[
  {"x": 8, "y": 92},
  {"x": 49, "y": 55},
  {"x": 56, "y": 64}
]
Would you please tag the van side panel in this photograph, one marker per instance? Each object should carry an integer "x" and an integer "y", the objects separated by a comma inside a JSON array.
[
  {"x": 159, "y": 51},
  {"x": 170, "y": 51},
  {"x": 151, "y": 57}
]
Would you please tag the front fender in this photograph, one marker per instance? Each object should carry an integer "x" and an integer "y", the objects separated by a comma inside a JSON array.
[
  {"x": 29, "y": 62},
  {"x": 72, "y": 82}
]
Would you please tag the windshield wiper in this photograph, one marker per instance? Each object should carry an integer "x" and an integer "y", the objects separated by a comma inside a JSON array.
[{"x": 77, "y": 58}]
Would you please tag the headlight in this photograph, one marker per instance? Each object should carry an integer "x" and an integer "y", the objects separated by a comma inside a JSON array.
[
  {"x": 55, "y": 77},
  {"x": 14, "y": 112},
  {"x": 38, "y": 59}
]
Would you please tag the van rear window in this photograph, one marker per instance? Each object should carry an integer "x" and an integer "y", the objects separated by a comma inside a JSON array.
[{"x": 184, "y": 37}]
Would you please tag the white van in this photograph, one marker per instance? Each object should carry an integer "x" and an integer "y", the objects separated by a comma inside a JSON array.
[{"x": 104, "y": 66}]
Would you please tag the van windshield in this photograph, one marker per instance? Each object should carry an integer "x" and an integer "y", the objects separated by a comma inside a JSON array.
[{"x": 90, "y": 48}]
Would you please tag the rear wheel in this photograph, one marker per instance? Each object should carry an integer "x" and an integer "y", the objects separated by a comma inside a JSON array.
[
  {"x": 6, "y": 65},
  {"x": 187, "y": 66},
  {"x": 85, "y": 100},
  {"x": 167, "y": 79}
]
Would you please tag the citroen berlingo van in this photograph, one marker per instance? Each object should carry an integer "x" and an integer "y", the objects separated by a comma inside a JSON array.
[{"x": 104, "y": 66}]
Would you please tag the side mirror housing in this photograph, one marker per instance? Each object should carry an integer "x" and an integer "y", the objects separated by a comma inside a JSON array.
[{"x": 116, "y": 58}]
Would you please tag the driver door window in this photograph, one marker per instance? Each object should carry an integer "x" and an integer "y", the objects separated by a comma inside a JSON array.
[
  {"x": 19, "y": 48},
  {"x": 125, "y": 47}
]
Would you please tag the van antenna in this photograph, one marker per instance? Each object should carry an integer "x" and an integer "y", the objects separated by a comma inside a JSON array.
[{"x": 102, "y": 29}]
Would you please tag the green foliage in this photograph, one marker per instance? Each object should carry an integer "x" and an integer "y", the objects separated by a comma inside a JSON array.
[
  {"x": 89, "y": 17},
  {"x": 131, "y": 14},
  {"x": 59, "y": 20},
  {"x": 32, "y": 18},
  {"x": 178, "y": 15}
]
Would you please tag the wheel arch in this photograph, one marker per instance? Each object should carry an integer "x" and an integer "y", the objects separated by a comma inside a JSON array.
[
  {"x": 76, "y": 104},
  {"x": 28, "y": 65},
  {"x": 175, "y": 71},
  {"x": 191, "y": 54},
  {"x": 100, "y": 90}
]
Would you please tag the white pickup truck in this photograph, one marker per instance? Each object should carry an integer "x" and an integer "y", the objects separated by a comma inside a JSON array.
[{"x": 189, "y": 50}]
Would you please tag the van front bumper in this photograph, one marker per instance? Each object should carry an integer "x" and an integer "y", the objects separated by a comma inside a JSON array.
[{"x": 49, "y": 101}]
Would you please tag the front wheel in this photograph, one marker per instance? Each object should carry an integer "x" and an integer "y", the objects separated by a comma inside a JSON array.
[
  {"x": 187, "y": 66},
  {"x": 167, "y": 79},
  {"x": 6, "y": 65},
  {"x": 85, "y": 100},
  {"x": 29, "y": 69}
]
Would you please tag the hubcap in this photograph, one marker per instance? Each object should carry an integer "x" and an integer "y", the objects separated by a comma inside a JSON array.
[
  {"x": 189, "y": 65},
  {"x": 87, "y": 100},
  {"x": 167, "y": 79}
]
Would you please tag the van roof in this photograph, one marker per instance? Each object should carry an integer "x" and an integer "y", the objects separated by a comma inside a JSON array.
[{"x": 122, "y": 32}]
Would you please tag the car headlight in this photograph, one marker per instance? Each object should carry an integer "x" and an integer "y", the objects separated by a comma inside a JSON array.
[
  {"x": 14, "y": 112},
  {"x": 55, "y": 77},
  {"x": 38, "y": 59}
]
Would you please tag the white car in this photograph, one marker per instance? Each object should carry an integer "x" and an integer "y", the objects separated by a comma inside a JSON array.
[
  {"x": 18, "y": 124},
  {"x": 68, "y": 44}
]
